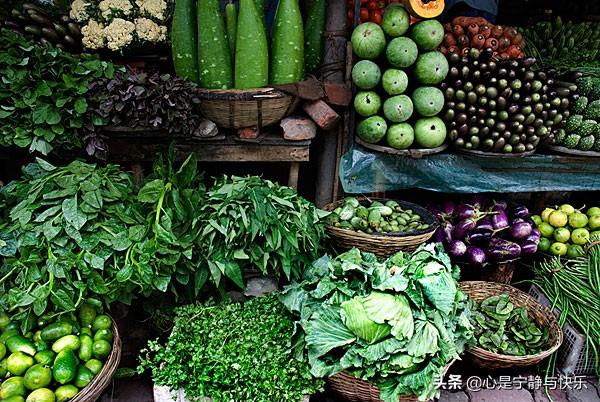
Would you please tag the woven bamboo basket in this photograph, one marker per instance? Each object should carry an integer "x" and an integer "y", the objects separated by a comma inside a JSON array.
[
  {"x": 96, "y": 387},
  {"x": 382, "y": 244},
  {"x": 354, "y": 389},
  {"x": 235, "y": 108},
  {"x": 543, "y": 317},
  {"x": 501, "y": 272}
]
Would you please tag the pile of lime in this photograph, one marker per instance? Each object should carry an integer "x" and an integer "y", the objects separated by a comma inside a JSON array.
[
  {"x": 56, "y": 361},
  {"x": 565, "y": 230}
]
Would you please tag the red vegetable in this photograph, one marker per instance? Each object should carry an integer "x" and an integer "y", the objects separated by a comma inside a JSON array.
[{"x": 376, "y": 17}]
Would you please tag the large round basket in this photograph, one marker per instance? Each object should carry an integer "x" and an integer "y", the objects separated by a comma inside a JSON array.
[
  {"x": 543, "y": 317},
  {"x": 353, "y": 389},
  {"x": 382, "y": 244},
  {"x": 235, "y": 108},
  {"x": 94, "y": 389}
]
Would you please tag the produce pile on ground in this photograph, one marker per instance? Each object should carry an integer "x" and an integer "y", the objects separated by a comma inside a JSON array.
[
  {"x": 386, "y": 109},
  {"x": 34, "y": 22},
  {"x": 581, "y": 130},
  {"x": 501, "y": 107},
  {"x": 372, "y": 10},
  {"x": 376, "y": 217},
  {"x": 502, "y": 328},
  {"x": 574, "y": 289},
  {"x": 249, "y": 347},
  {"x": 465, "y": 33},
  {"x": 232, "y": 51},
  {"x": 396, "y": 323},
  {"x": 43, "y": 94},
  {"x": 565, "y": 46},
  {"x": 485, "y": 232},
  {"x": 57, "y": 360},
  {"x": 566, "y": 230}
]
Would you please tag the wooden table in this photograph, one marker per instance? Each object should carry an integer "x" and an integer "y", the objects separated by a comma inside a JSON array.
[{"x": 270, "y": 147}]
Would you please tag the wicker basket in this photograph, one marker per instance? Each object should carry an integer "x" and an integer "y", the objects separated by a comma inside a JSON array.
[
  {"x": 543, "y": 317},
  {"x": 353, "y": 389},
  {"x": 501, "y": 272},
  {"x": 94, "y": 389},
  {"x": 386, "y": 244},
  {"x": 234, "y": 108}
]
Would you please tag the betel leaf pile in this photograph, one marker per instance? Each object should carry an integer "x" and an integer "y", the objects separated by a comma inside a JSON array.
[
  {"x": 43, "y": 93},
  {"x": 232, "y": 352},
  {"x": 396, "y": 323}
]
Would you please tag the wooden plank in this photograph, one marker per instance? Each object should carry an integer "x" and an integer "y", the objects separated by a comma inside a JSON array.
[{"x": 293, "y": 176}]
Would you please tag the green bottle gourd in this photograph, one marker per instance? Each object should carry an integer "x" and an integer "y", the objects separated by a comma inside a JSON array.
[
  {"x": 214, "y": 57},
  {"x": 287, "y": 48},
  {"x": 313, "y": 35},
  {"x": 252, "y": 51},
  {"x": 260, "y": 7},
  {"x": 231, "y": 22},
  {"x": 184, "y": 40}
]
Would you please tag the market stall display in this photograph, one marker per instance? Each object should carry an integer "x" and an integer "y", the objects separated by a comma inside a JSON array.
[
  {"x": 398, "y": 325},
  {"x": 411, "y": 63}
]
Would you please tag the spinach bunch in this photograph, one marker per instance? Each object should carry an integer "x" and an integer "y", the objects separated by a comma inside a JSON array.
[
  {"x": 252, "y": 223},
  {"x": 43, "y": 93},
  {"x": 232, "y": 352},
  {"x": 395, "y": 323}
]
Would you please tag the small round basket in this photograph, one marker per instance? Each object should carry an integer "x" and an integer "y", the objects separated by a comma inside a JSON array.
[
  {"x": 543, "y": 317},
  {"x": 353, "y": 389},
  {"x": 93, "y": 391},
  {"x": 235, "y": 108},
  {"x": 501, "y": 272},
  {"x": 383, "y": 244}
]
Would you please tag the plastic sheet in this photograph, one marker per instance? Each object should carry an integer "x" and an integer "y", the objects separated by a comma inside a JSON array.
[{"x": 364, "y": 171}]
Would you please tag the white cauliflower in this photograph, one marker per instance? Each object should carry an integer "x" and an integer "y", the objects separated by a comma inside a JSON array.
[
  {"x": 149, "y": 30},
  {"x": 154, "y": 8},
  {"x": 107, "y": 7},
  {"x": 93, "y": 35},
  {"x": 79, "y": 10},
  {"x": 119, "y": 33}
]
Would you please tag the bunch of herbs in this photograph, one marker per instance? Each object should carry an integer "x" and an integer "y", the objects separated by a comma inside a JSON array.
[
  {"x": 252, "y": 223},
  {"x": 232, "y": 352},
  {"x": 43, "y": 93}
]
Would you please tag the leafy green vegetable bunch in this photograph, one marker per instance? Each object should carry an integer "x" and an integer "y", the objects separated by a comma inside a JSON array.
[
  {"x": 396, "y": 323},
  {"x": 253, "y": 223},
  {"x": 232, "y": 352},
  {"x": 43, "y": 93},
  {"x": 81, "y": 232}
]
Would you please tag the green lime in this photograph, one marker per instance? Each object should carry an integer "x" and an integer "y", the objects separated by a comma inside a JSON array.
[
  {"x": 3, "y": 368},
  {"x": 4, "y": 321},
  {"x": 546, "y": 229},
  {"x": 94, "y": 365},
  {"x": 18, "y": 363},
  {"x": 544, "y": 244},
  {"x": 578, "y": 220},
  {"x": 16, "y": 398},
  {"x": 84, "y": 377},
  {"x": 558, "y": 249},
  {"x": 536, "y": 219},
  {"x": 558, "y": 219},
  {"x": 41, "y": 395},
  {"x": 37, "y": 376},
  {"x": 580, "y": 236},
  {"x": 67, "y": 342},
  {"x": 101, "y": 349},
  {"x": 593, "y": 211},
  {"x": 101, "y": 322},
  {"x": 65, "y": 367},
  {"x": 2, "y": 351},
  {"x": 65, "y": 392},
  {"x": 574, "y": 251},
  {"x": 105, "y": 334},
  {"x": 45, "y": 357},
  {"x": 87, "y": 314},
  {"x": 12, "y": 387},
  {"x": 562, "y": 235},
  {"x": 594, "y": 222}
]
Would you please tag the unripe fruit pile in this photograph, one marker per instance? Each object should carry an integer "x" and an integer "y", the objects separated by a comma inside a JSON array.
[
  {"x": 501, "y": 107},
  {"x": 398, "y": 96}
]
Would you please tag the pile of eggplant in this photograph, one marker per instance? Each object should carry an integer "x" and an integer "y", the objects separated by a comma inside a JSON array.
[
  {"x": 501, "y": 107},
  {"x": 484, "y": 231}
]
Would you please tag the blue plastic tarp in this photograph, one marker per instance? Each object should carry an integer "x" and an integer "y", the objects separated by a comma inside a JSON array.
[{"x": 365, "y": 171}]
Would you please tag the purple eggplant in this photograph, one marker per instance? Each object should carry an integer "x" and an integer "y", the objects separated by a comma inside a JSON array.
[
  {"x": 447, "y": 229},
  {"x": 457, "y": 248},
  {"x": 503, "y": 250},
  {"x": 521, "y": 212},
  {"x": 476, "y": 255},
  {"x": 485, "y": 223},
  {"x": 438, "y": 235},
  {"x": 480, "y": 236},
  {"x": 501, "y": 204},
  {"x": 535, "y": 230},
  {"x": 532, "y": 238},
  {"x": 464, "y": 211},
  {"x": 499, "y": 218},
  {"x": 462, "y": 228},
  {"x": 520, "y": 230},
  {"x": 478, "y": 201},
  {"x": 437, "y": 212},
  {"x": 448, "y": 207},
  {"x": 529, "y": 248}
]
